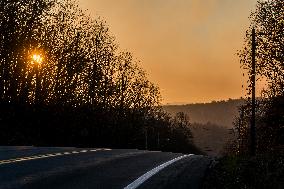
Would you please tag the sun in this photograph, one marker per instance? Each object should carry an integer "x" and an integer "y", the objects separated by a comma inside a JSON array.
[{"x": 37, "y": 58}]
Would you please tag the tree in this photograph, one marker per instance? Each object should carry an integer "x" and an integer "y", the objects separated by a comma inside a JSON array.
[
  {"x": 268, "y": 23},
  {"x": 81, "y": 60},
  {"x": 64, "y": 81},
  {"x": 269, "y": 26},
  {"x": 181, "y": 133},
  {"x": 18, "y": 22}
]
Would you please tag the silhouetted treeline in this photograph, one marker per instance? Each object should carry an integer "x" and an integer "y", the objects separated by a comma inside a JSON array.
[
  {"x": 268, "y": 23},
  {"x": 269, "y": 126},
  {"x": 64, "y": 81},
  {"x": 242, "y": 168},
  {"x": 89, "y": 127}
]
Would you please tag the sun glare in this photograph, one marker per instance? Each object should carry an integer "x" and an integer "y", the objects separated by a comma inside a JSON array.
[{"x": 37, "y": 58}]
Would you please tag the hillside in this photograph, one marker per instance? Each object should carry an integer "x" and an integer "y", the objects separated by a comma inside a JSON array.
[
  {"x": 210, "y": 123},
  {"x": 221, "y": 113}
]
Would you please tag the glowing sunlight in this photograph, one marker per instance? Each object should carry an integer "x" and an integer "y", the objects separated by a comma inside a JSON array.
[{"x": 37, "y": 58}]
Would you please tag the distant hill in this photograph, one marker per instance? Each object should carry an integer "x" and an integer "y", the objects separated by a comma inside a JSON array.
[
  {"x": 221, "y": 113},
  {"x": 210, "y": 123}
]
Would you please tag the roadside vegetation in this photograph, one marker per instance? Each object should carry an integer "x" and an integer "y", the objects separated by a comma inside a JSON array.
[
  {"x": 65, "y": 82},
  {"x": 239, "y": 172},
  {"x": 238, "y": 169}
]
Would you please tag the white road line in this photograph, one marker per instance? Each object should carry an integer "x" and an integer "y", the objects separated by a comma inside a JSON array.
[
  {"x": 152, "y": 172},
  {"x": 46, "y": 156}
]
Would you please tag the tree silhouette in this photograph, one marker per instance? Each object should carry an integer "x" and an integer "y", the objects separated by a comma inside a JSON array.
[
  {"x": 64, "y": 81},
  {"x": 268, "y": 23}
]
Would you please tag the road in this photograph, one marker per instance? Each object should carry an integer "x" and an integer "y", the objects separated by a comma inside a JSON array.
[{"x": 78, "y": 168}]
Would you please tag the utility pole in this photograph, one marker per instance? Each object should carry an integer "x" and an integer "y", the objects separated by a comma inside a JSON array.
[
  {"x": 146, "y": 139},
  {"x": 158, "y": 140},
  {"x": 252, "y": 126}
]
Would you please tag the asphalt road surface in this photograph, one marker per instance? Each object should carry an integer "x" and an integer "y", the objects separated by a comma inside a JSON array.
[{"x": 78, "y": 168}]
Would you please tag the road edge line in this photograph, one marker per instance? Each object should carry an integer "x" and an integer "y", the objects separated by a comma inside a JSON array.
[{"x": 153, "y": 171}]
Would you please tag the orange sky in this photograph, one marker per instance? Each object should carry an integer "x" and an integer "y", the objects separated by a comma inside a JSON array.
[{"x": 188, "y": 47}]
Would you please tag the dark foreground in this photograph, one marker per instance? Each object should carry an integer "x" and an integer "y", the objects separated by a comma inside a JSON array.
[
  {"x": 70, "y": 168},
  {"x": 263, "y": 171}
]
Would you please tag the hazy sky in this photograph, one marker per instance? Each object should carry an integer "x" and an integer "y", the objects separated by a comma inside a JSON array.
[{"x": 188, "y": 47}]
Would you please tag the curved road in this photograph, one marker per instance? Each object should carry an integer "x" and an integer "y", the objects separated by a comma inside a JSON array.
[{"x": 77, "y": 168}]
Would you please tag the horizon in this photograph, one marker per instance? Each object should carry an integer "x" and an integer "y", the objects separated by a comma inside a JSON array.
[{"x": 208, "y": 102}]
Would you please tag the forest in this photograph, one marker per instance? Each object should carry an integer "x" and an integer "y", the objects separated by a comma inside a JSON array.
[{"x": 65, "y": 82}]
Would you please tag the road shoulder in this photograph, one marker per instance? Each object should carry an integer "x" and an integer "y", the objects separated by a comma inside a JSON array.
[{"x": 186, "y": 173}]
